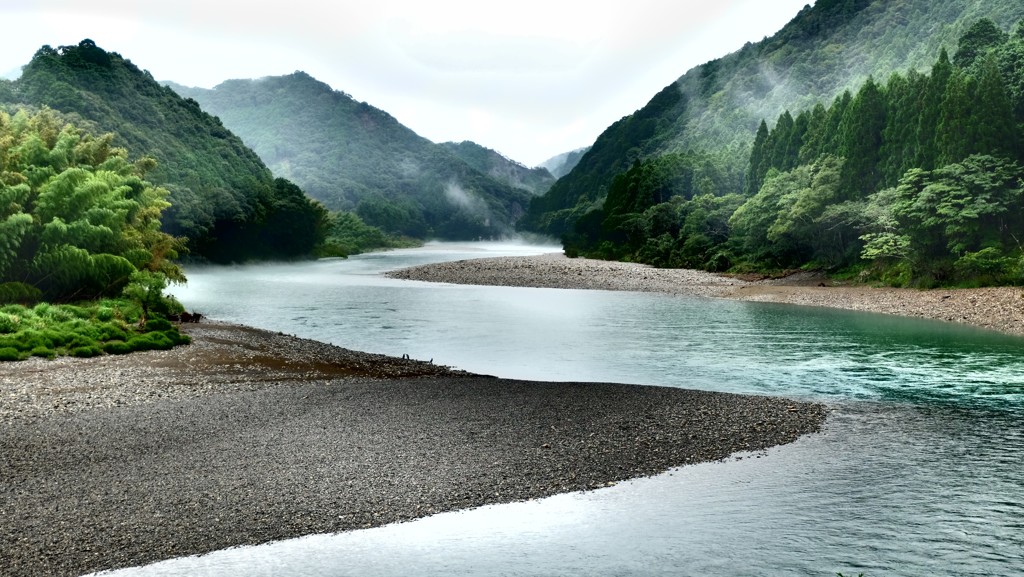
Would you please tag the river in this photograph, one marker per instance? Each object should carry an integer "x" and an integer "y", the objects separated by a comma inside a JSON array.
[{"x": 919, "y": 470}]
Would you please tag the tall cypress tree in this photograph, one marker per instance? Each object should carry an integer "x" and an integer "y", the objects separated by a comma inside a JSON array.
[
  {"x": 861, "y": 141},
  {"x": 953, "y": 134},
  {"x": 901, "y": 147},
  {"x": 758, "y": 153},
  {"x": 781, "y": 156},
  {"x": 993, "y": 127},
  {"x": 931, "y": 110},
  {"x": 816, "y": 136}
]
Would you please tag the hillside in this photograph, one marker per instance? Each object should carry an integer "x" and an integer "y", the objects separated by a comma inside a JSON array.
[
  {"x": 223, "y": 198},
  {"x": 536, "y": 181},
  {"x": 715, "y": 108},
  {"x": 915, "y": 181},
  {"x": 352, "y": 156},
  {"x": 562, "y": 164}
]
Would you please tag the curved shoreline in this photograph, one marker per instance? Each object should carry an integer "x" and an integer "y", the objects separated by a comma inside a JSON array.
[
  {"x": 998, "y": 308},
  {"x": 248, "y": 436}
]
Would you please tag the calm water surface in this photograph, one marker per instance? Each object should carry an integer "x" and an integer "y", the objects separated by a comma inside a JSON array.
[{"x": 920, "y": 470}]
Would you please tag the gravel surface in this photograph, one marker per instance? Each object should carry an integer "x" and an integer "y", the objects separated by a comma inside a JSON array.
[
  {"x": 246, "y": 437},
  {"x": 1000, "y": 309}
]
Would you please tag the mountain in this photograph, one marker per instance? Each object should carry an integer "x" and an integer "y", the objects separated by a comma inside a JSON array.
[
  {"x": 561, "y": 164},
  {"x": 352, "y": 156},
  {"x": 223, "y": 198},
  {"x": 536, "y": 181},
  {"x": 915, "y": 181},
  {"x": 715, "y": 108}
]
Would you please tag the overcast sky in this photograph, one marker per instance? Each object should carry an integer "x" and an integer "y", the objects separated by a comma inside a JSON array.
[{"x": 531, "y": 80}]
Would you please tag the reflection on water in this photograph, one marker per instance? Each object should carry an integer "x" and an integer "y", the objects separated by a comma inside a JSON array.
[{"x": 919, "y": 472}]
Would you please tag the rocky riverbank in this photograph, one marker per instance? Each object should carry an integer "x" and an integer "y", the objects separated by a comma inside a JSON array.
[
  {"x": 246, "y": 437},
  {"x": 1000, "y": 309}
]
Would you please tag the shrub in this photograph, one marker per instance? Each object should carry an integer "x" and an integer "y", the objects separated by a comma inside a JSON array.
[
  {"x": 83, "y": 330},
  {"x": 158, "y": 325},
  {"x": 19, "y": 293},
  {"x": 86, "y": 351},
  {"x": 9, "y": 323},
  {"x": 104, "y": 313},
  {"x": 110, "y": 332},
  {"x": 44, "y": 352},
  {"x": 117, "y": 348}
]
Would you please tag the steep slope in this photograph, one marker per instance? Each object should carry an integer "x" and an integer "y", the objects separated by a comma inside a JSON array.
[
  {"x": 224, "y": 199},
  {"x": 563, "y": 164},
  {"x": 917, "y": 181},
  {"x": 716, "y": 107},
  {"x": 501, "y": 168},
  {"x": 352, "y": 156}
]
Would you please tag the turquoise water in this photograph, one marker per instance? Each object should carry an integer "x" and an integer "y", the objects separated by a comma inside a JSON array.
[{"x": 919, "y": 472}]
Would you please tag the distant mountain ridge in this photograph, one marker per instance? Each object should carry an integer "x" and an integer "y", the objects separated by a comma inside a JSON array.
[
  {"x": 501, "y": 168},
  {"x": 562, "y": 164},
  {"x": 352, "y": 156},
  {"x": 716, "y": 107}
]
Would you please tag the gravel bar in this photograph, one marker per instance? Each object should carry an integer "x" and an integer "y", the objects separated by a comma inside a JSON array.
[
  {"x": 999, "y": 308},
  {"x": 246, "y": 437}
]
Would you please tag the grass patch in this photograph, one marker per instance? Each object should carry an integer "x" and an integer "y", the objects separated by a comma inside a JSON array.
[{"x": 90, "y": 329}]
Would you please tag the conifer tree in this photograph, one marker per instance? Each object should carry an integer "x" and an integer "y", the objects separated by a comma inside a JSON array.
[
  {"x": 758, "y": 155},
  {"x": 861, "y": 141},
  {"x": 927, "y": 130}
]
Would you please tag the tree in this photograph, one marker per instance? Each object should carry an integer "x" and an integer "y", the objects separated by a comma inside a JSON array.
[
  {"x": 979, "y": 39},
  {"x": 77, "y": 217},
  {"x": 861, "y": 141},
  {"x": 933, "y": 219}
]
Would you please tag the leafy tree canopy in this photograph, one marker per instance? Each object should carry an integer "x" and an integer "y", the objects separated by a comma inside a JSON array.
[
  {"x": 224, "y": 200},
  {"x": 77, "y": 220}
]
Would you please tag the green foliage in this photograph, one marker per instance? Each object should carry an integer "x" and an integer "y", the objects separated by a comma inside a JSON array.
[
  {"x": 829, "y": 48},
  {"x": 222, "y": 197},
  {"x": 19, "y": 293},
  {"x": 348, "y": 235},
  {"x": 876, "y": 208},
  {"x": 78, "y": 217},
  {"x": 353, "y": 157},
  {"x": 536, "y": 181},
  {"x": 85, "y": 330},
  {"x": 953, "y": 224}
]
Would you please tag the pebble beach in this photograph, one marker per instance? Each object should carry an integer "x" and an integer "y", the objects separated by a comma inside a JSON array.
[
  {"x": 999, "y": 308},
  {"x": 247, "y": 436}
]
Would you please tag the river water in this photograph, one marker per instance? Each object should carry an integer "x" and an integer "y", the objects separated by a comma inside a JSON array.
[{"x": 920, "y": 470}]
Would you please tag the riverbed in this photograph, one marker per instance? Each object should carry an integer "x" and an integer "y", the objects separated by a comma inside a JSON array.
[{"x": 917, "y": 473}]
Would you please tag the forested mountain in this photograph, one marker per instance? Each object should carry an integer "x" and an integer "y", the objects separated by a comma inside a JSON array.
[
  {"x": 562, "y": 164},
  {"x": 536, "y": 181},
  {"x": 915, "y": 180},
  {"x": 712, "y": 112},
  {"x": 223, "y": 198},
  {"x": 352, "y": 156}
]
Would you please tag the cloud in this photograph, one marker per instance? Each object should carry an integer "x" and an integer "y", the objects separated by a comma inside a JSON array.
[{"x": 550, "y": 76}]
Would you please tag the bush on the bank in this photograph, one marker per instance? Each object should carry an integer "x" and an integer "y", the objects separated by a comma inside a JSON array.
[
  {"x": 109, "y": 326},
  {"x": 19, "y": 293}
]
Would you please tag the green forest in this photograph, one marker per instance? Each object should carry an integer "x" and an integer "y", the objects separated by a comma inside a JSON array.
[
  {"x": 915, "y": 180},
  {"x": 356, "y": 158},
  {"x": 224, "y": 201}
]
